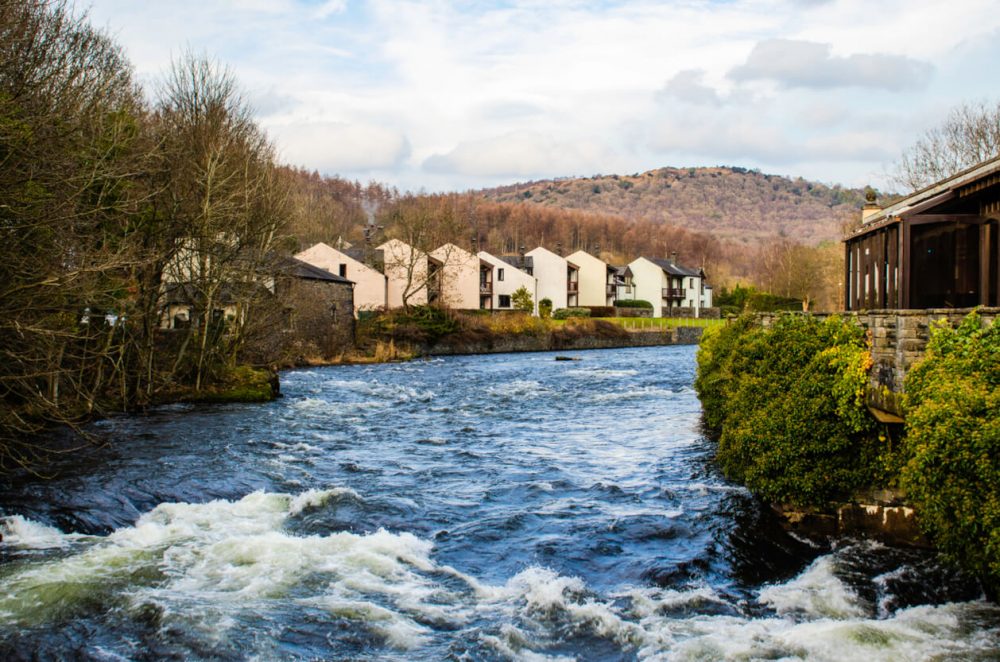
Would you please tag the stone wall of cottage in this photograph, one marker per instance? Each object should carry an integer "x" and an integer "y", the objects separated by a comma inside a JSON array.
[{"x": 320, "y": 315}]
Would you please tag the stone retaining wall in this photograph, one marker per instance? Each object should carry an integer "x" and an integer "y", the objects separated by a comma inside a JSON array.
[
  {"x": 553, "y": 342},
  {"x": 899, "y": 339}
]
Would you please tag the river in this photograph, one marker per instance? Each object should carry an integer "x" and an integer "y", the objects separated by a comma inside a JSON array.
[{"x": 468, "y": 508}]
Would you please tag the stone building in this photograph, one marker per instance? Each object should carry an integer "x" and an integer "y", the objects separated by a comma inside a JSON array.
[{"x": 318, "y": 305}]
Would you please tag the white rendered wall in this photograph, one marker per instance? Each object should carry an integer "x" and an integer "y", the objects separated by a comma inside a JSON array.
[
  {"x": 513, "y": 279},
  {"x": 648, "y": 281},
  {"x": 593, "y": 277},
  {"x": 459, "y": 277},
  {"x": 550, "y": 270},
  {"x": 401, "y": 260}
]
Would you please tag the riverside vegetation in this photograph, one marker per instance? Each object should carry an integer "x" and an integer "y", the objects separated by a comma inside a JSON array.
[{"x": 787, "y": 405}]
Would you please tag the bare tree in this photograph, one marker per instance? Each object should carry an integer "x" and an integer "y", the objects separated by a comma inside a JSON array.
[
  {"x": 969, "y": 135},
  {"x": 225, "y": 201},
  {"x": 417, "y": 226},
  {"x": 70, "y": 189}
]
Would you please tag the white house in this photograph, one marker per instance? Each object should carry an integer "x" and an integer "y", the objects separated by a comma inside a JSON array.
[
  {"x": 499, "y": 280},
  {"x": 597, "y": 280},
  {"x": 622, "y": 280},
  {"x": 558, "y": 278},
  {"x": 370, "y": 284},
  {"x": 458, "y": 277},
  {"x": 668, "y": 285},
  {"x": 409, "y": 274}
]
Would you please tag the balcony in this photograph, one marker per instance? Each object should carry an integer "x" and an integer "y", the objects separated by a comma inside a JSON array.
[
  {"x": 611, "y": 289},
  {"x": 573, "y": 287},
  {"x": 486, "y": 289},
  {"x": 673, "y": 292}
]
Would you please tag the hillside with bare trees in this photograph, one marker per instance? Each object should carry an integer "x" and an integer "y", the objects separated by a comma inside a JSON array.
[{"x": 735, "y": 204}]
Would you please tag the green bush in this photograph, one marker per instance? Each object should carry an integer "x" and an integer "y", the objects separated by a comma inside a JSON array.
[
  {"x": 417, "y": 324},
  {"x": 633, "y": 303},
  {"x": 522, "y": 300},
  {"x": 789, "y": 405},
  {"x": 545, "y": 308},
  {"x": 566, "y": 313},
  {"x": 952, "y": 444}
]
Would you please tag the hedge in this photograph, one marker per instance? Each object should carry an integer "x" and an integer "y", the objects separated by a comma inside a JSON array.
[
  {"x": 952, "y": 444},
  {"x": 566, "y": 313},
  {"x": 787, "y": 403},
  {"x": 633, "y": 303}
]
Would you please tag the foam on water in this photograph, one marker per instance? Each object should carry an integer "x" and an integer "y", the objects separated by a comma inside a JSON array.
[
  {"x": 200, "y": 566},
  {"x": 23, "y": 533}
]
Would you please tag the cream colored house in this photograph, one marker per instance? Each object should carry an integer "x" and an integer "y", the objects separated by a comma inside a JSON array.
[
  {"x": 558, "y": 278},
  {"x": 668, "y": 285},
  {"x": 597, "y": 280},
  {"x": 409, "y": 273},
  {"x": 370, "y": 284},
  {"x": 458, "y": 277},
  {"x": 502, "y": 280}
]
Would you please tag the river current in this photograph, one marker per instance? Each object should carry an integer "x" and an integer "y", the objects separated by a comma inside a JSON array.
[{"x": 469, "y": 508}]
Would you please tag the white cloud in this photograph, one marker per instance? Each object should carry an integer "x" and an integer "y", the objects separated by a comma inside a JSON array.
[
  {"x": 522, "y": 154},
  {"x": 798, "y": 63},
  {"x": 339, "y": 147},
  {"x": 454, "y": 95}
]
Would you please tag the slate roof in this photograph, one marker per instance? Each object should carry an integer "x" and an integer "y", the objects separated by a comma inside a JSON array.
[
  {"x": 521, "y": 262},
  {"x": 299, "y": 269},
  {"x": 674, "y": 269}
]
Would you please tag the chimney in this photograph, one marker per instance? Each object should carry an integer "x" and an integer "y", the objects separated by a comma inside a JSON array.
[
  {"x": 673, "y": 257},
  {"x": 871, "y": 207}
]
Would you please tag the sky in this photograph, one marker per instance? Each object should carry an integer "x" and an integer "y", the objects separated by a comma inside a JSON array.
[{"x": 451, "y": 96}]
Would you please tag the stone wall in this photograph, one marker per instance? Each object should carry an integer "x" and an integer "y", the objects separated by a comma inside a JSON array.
[
  {"x": 554, "y": 342},
  {"x": 321, "y": 313},
  {"x": 899, "y": 339},
  {"x": 689, "y": 313}
]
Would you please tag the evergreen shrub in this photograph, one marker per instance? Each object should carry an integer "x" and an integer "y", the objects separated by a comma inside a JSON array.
[
  {"x": 952, "y": 444},
  {"x": 566, "y": 313},
  {"x": 788, "y": 404},
  {"x": 633, "y": 303}
]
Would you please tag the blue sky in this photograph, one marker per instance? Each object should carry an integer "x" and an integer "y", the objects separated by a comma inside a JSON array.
[{"x": 441, "y": 96}]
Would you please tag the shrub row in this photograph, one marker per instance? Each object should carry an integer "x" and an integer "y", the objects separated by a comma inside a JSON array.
[
  {"x": 633, "y": 303},
  {"x": 787, "y": 404},
  {"x": 951, "y": 452}
]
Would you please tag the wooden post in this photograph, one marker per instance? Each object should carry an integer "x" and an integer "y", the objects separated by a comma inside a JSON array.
[{"x": 904, "y": 271}]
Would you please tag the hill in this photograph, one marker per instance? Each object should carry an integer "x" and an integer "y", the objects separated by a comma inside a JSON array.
[{"x": 729, "y": 203}]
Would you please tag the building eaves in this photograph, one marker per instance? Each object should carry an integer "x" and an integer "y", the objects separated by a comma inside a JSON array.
[{"x": 929, "y": 195}]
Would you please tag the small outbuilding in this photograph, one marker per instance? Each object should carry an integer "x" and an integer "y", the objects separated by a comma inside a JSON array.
[
  {"x": 319, "y": 306},
  {"x": 936, "y": 248}
]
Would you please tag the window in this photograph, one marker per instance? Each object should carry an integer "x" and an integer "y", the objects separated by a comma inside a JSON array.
[
  {"x": 503, "y": 301},
  {"x": 343, "y": 271},
  {"x": 499, "y": 274}
]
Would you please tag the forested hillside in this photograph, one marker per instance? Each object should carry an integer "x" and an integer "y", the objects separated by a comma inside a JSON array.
[{"x": 729, "y": 203}]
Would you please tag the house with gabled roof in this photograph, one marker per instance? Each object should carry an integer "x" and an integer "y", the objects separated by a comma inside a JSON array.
[
  {"x": 558, "y": 278},
  {"x": 670, "y": 287},
  {"x": 500, "y": 279},
  {"x": 597, "y": 280},
  {"x": 371, "y": 285}
]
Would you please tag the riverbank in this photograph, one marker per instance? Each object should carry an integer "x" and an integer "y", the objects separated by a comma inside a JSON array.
[
  {"x": 787, "y": 403},
  {"x": 428, "y": 331}
]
